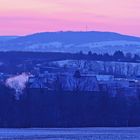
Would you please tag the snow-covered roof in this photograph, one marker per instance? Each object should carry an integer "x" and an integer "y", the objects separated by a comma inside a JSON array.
[{"x": 105, "y": 77}]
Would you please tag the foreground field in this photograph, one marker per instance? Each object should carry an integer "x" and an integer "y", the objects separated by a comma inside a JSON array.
[{"x": 71, "y": 134}]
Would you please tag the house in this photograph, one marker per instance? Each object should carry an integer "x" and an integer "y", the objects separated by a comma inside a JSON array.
[
  {"x": 37, "y": 82},
  {"x": 83, "y": 83}
]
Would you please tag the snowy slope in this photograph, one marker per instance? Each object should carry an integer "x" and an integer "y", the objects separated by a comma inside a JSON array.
[{"x": 7, "y": 38}]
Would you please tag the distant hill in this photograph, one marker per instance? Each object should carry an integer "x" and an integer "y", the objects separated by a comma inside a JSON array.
[
  {"x": 73, "y": 42},
  {"x": 7, "y": 38}
]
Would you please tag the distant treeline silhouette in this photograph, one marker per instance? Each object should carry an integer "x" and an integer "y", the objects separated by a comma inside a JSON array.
[
  {"x": 42, "y": 108},
  {"x": 118, "y": 56}
]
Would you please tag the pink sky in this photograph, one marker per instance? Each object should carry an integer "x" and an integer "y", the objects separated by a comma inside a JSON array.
[{"x": 21, "y": 17}]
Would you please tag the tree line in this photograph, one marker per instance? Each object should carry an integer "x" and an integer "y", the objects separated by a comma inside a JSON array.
[
  {"x": 17, "y": 57},
  {"x": 43, "y": 108}
]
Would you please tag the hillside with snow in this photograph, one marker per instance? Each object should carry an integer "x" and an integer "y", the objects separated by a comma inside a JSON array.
[
  {"x": 7, "y": 38},
  {"x": 99, "y": 42}
]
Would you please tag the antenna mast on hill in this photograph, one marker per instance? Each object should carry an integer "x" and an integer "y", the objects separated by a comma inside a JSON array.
[{"x": 86, "y": 28}]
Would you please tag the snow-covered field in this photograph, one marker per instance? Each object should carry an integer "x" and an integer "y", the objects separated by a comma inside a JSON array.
[
  {"x": 71, "y": 134},
  {"x": 97, "y": 47}
]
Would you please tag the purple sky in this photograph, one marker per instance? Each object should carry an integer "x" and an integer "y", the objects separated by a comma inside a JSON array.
[{"x": 20, "y": 17}]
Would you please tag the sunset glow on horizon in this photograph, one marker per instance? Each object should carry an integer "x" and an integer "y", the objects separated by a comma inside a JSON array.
[{"x": 21, "y": 17}]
